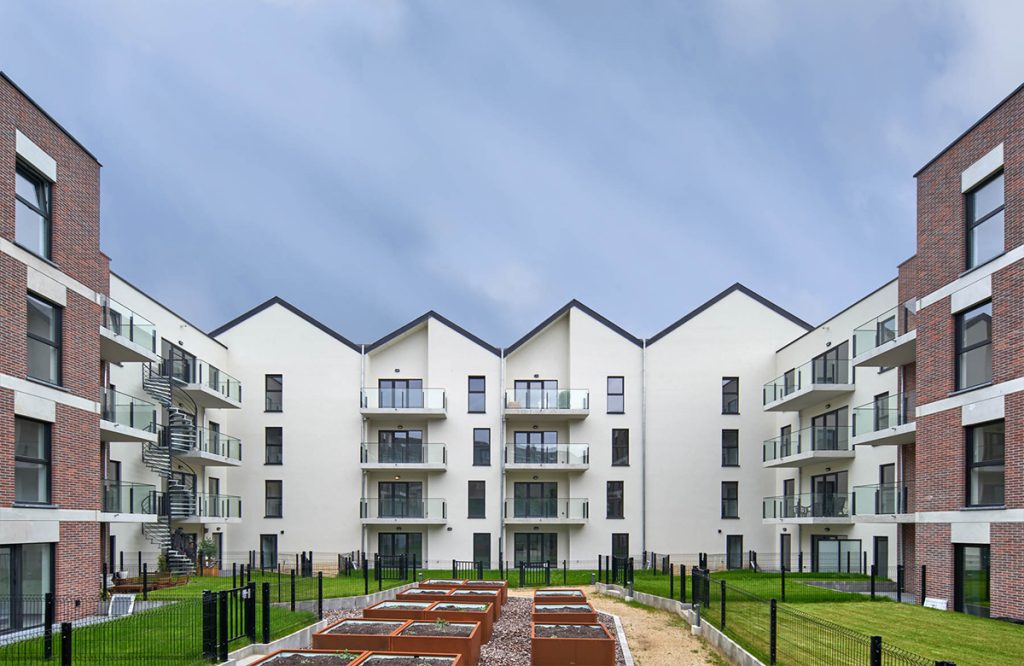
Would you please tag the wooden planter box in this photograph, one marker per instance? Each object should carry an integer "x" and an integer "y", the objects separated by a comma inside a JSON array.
[
  {"x": 335, "y": 637},
  {"x": 464, "y": 612},
  {"x": 478, "y": 597},
  {"x": 565, "y": 650},
  {"x": 500, "y": 585},
  {"x": 467, "y": 646},
  {"x": 559, "y": 595},
  {"x": 564, "y": 614},
  {"x": 397, "y": 610},
  {"x": 210, "y": 571},
  {"x": 423, "y": 594},
  {"x": 440, "y": 583},
  {"x": 328, "y": 657},
  {"x": 417, "y": 659}
]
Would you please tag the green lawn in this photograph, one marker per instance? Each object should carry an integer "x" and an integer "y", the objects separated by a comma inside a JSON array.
[{"x": 280, "y": 590}]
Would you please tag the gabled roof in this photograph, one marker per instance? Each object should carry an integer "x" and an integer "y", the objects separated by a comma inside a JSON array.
[
  {"x": 277, "y": 300},
  {"x": 734, "y": 288},
  {"x": 420, "y": 321},
  {"x": 561, "y": 312}
]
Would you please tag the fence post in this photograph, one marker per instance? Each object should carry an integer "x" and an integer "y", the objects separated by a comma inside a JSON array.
[
  {"x": 783, "y": 568},
  {"x": 320, "y": 594},
  {"x": 772, "y": 635},
  {"x": 800, "y": 561},
  {"x": 234, "y": 574},
  {"x": 293, "y": 589},
  {"x": 222, "y": 626},
  {"x": 339, "y": 564},
  {"x": 874, "y": 569},
  {"x": 671, "y": 581},
  {"x": 876, "y": 651},
  {"x": 209, "y": 625},
  {"x": 707, "y": 588},
  {"x": 278, "y": 581},
  {"x": 924, "y": 579},
  {"x": 250, "y": 612},
  {"x": 480, "y": 569},
  {"x": 899, "y": 583},
  {"x": 522, "y": 573},
  {"x": 366, "y": 578},
  {"x": 104, "y": 597},
  {"x": 607, "y": 566},
  {"x": 48, "y": 619},
  {"x": 65, "y": 644},
  {"x": 599, "y": 578},
  {"x": 265, "y": 601},
  {"x": 547, "y": 573},
  {"x": 723, "y": 605},
  {"x": 454, "y": 571},
  {"x": 682, "y": 583},
  {"x": 565, "y": 572},
  {"x": 145, "y": 581}
]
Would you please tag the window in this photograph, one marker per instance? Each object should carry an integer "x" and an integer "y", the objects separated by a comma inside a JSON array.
[
  {"x": 985, "y": 465},
  {"x": 268, "y": 551},
  {"x": 985, "y": 221},
  {"x": 535, "y": 500},
  {"x": 275, "y": 388},
  {"x": 481, "y": 447},
  {"x": 274, "y": 499},
  {"x": 26, "y": 573},
  {"x": 32, "y": 212},
  {"x": 734, "y": 551},
  {"x": 535, "y": 547},
  {"x": 832, "y": 367},
  {"x": 400, "y": 393},
  {"x": 274, "y": 438},
  {"x": 477, "y": 499},
  {"x": 536, "y": 447},
  {"x": 477, "y": 395},
  {"x": 974, "y": 347},
  {"x": 730, "y": 448},
  {"x": 971, "y": 582},
  {"x": 44, "y": 340},
  {"x": 482, "y": 549},
  {"x": 831, "y": 431},
  {"x": 730, "y": 499},
  {"x": 616, "y": 395},
  {"x": 620, "y": 447},
  {"x": 616, "y": 508},
  {"x": 397, "y": 447},
  {"x": 730, "y": 395},
  {"x": 31, "y": 461}
]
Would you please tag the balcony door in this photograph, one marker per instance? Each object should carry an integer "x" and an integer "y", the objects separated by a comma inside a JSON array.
[
  {"x": 26, "y": 575},
  {"x": 400, "y": 446},
  {"x": 833, "y": 554},
  {"x": 400, "y": 499},
  {"x": 832, "y": 366},
  {"x": 178, "y": 363},
  {"x": 536, "y": 448},
  {"x": 789, "y": 499},
  {"x": 828, "y": 495},
  {"x": 829, "y": 431},
  {"x": 888, "y": 492},
  {"x": 734, "y": 551},
  {"x": 536, "y": 547},
  {"x": 400, "y": 393},
  {"x": 268, "y": 551},
  {"x": 409, "y": 544},
  {"x": 536, "y": 393},
  {"x": 536, "y": 500},
  {"x": 971, "y": 590}
]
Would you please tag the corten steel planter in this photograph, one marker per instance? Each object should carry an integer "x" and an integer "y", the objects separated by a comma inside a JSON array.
[
  {"x": 440, "y": 583},
  {"x": 478, "y": 597},
  {"x": 312, "y": 657},
  {"x": 210, "y": 571},
  {"x": 464, "y": 612},
  {"x": 559, "y": 595},
  {"x": 468, "y": 646},
  {"x": 423, "y": 594},
  {"x": 562, "y": 649},
  {"x": 411, "y": 659},
  {"x": 346, "y": 635},
  {"x": 397, "y": 610},
  {"x": 564, "y": 614},
  {"x": 500, "y": 585}
]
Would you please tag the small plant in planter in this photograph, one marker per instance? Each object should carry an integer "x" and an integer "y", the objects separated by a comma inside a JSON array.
[
  {"x": 464, "y": 612},
  {"x": 208, "y": 553},
  {"x": 568, "y": 644},
  {"x": 443, "y": 637},
  {"x": 310, "y": 658}
]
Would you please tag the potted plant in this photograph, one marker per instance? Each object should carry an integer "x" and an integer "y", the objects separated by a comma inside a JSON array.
[
  {"x": 564, "y": 614},
  {"x": 355, "y": 634},
  {"x": 571, "y": 645},
  {"x": 310, "y": 658},
  {"x": 397, "y": 610},
  {"x": 464, "y": 612},
  {"x": 412, "y": 659},
  {"x": 440, "y": 636},
  {"x": 208, "y": 553}
]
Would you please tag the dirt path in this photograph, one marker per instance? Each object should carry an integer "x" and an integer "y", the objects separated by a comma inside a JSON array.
[{"x": 656, "y": 637}]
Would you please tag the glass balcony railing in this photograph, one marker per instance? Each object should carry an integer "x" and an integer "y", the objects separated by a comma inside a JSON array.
[
  {"x": 408, "y": 398},
  {"x": 879, "y": 499},
  {"x": 429, "y": 508},
  {"x": 217, "y": 443},
  {"x": 814, "y": 438},
  {"x": 816, "y": 371},
  {"x": 402, "y": 454},
  {"x": 198, "y": 371},
  {"x": 547, "y": 454},
  {"x": 567, "y": 508},
  {"x": 129, "y": 324},
  {"x": 806, "y": 505},
  {"x": 125, "y": 497},
  {"x": 875, "y": 333},
  {"x": 218, "y": 506},
  {"x": 883, "y": 413},
  {"x": 577, "y": 399},
  {"x": 129, "y": 411}
]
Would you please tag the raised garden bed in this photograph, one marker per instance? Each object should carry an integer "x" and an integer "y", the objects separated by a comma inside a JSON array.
[
  {"x": 558, "y": 595},
  {"x": 412, "y": 659},
  {"x": 397, "y": 610},
  {"x": 423, "y": 594},
  {"x": 478, "y": 597},
  {"x": 310, "y": 658},
  {"x": 500, "y": 585},
  {"x": 441, "y": 583},
  {"x": 441, "y": 637},
  {"x": 354, "y": 634},
  {"x": 564, "y": 614},
  {"x": 571, "y": 645},
  {"x": 464, "y": 612}
]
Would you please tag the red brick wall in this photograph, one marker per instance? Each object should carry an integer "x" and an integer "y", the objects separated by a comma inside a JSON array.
[
  {"x": 78, "y": 570},
  {"x": 1007, "y": 563},
  {"x": 1013, "y": 406},
  {"x": 911, "y": 572},
  {"x": 933, "y": 549},
  {"x": 935, "y": 372},
  {"x": 908, "y": 291},
  {"x": 939, "y": 462},
  {"x": 908, "y": 463}
]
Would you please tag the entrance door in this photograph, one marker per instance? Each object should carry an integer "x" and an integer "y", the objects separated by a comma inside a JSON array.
[
  {"x": 400, "y": 446},
  {"x": 971, "y": 582},
  {"x": 535, "y": 547},
  {"x": 268, "y": 551},
  {"x": 536, "y": 448},
  {"x": 734, "y": 551},
  {"x": 400, "y": 499},
  {"x": 786, "y": 551},
  {"x": 828, "y": 495},
  {"x": 881, "y": 548},
  {"x": 409, "y": 544},
  {"x": 887, "y": 489},
  {"x": 536, "y": 500},
  {"x": 26, "y": 575}
]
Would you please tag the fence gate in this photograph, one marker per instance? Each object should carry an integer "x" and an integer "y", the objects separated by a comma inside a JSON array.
[
  {"x": 467, "y": 569},
  {"x": 228, "y": 615},
  {"x": 534, "y": 573},
  {"x": 621, "y": 570},
  {"x": 391, "y": 567}
]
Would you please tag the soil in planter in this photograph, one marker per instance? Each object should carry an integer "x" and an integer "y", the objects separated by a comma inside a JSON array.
[
  {"x": 403, "y": 660},
  {"x": 562, "y": 608},
  {"x": 399, "y": 605},
  {"x": 558, "y": 593},
  {"x": 469, "y": 608},
  {"x": 568, "y": 631},
  {"x": 435, "y": 629},
  {"x": 365, "y": 627},
  {"x": 443, "y": 581},
  {"x": 300, "y": 659}
]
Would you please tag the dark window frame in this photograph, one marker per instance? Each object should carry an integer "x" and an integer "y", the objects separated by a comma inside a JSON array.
[
  {"x": 620, "y": 544},
  {"x": 479, "y": 459},
  {"x": 268, "y": 447},
  {"x": 268, "y": 392},
  {"x": 970, "y": 465},
  {"x": 47, "y": 462},
  {"x": 477, "y": 547},
  {"x": 725, "y": 383},
  {"x": 31, "y": 174},
  {"x": 971, "y": 226},
  {"x": 735, "y": 447},
  {"x": 476, "y": 500},
  {"x": 471, "y": 392},
  {"x": 731, "y": 502},
  {"x": 57, "y": 343},
  {"x": 960, "y": 351},
  {"x": 615, "y": 506},
  {"x": 267, "y": 497},
  {"x": 621, "y": 395},
  {"x": 618, "y": 459}
]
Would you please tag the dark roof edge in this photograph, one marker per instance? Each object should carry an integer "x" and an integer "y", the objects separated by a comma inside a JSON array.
[
  {"x": 561, "y": 311},
  {"x": 277, "y": 300},
  {"x": 161, "y": 304},
  {"x": 970, "y": 129},
  {"x": 734, "y": 288},
  {"x": 444, "y": 320},
  {"x": 53, "y": 120},
  {"x": 825, "y": 321}
]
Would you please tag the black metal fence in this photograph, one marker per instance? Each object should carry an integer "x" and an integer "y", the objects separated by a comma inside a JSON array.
[
  {"x": 534, "y": 573},
  {"x": 229, "y": 616},
  {"x": 390, "y": 567},
  {"x": 467, "y": 569}
]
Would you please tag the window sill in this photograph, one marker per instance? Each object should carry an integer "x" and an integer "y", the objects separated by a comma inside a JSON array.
[
  {"x": 730, "y": 517},
  {"x": 984, "y": 507},
  {"x": 472, "y": 412},
  {"x": 273, "y": 411},
  {"x": 275, "y": 517},
  {"x": 270, "y": 464},
  {"x": 43, "y": 382},
  {"x": 618, "y": 465},
  {"x": 37, "y": 255},
  {"x": 730, "y": 413},
  {"x": 968, "y": 389},
  {"x": 615, "y": 518},
  {"x": 736, "y": 465},
  {"x": 615, "y": 412},
  {"x": 981, "y": 265},
  {"x": 33, "y": 505}
]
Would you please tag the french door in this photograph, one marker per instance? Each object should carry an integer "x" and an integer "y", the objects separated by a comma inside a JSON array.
[
  {"x": 400, "y": 393},
  {"x": 536, "y": 500},
  {"x": 400, "y": 446},
  {"x": 535, "y": 547},
  {"x": 536, "y": 447},
  {"x": 400, "y": 499},
  {"x": 537, "y": 393}
]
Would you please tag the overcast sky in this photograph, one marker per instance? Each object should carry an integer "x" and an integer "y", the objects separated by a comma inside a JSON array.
[{"x": 370, "y": 161}]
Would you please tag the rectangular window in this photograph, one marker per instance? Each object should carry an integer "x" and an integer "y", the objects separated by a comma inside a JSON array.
[
  {"x": 275, "y": 393},
  {"x": 616, "y": 395},
  {"x": 274, "y": 438},
  {"x": 730, "y": 395},
  {"x": 971, "y": 582},
  {"x": 730, "y": 499},
  {"x": 620, "y": 447},
  {"x": 730, "y": 448},
  {"x": 620, "y": 545},
  {"x": 274, "y": 499},
  {"x": 986, "y": 464},
  {"x": 477, "y": 499},
  {"x": 31, "y": 461},
  {"x": 616, "y": 502},
  {"x": 482, "y": 549},
  {"x": 831, "y": 431},
  {"x": 535, "y": 500},
  {"x": 32, "y": 228},
  {"x": 974, "y": 347},
  {"x": 44, "y": 340},
  {"x": 400, "y": 393},
  {"x": 734, "y": 551},
  {"x": 477, "y": 395},
  {"x": 481, "y": 447},
  {"x": 985, "y": 221}
]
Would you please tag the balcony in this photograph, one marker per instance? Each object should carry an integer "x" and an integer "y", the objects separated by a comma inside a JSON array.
[
  {"x": 807, "y": 509},
  {"x": 125, "y": 502},
  {"x": 569, "y": 457},
  {"x": 426, "y": 457},
  {"x": 881, "y": 503},
  {"x": 208, "y": 385},
  {"x": 808, "y": 446},
  {"x": 205, "y": 508},
  {"x": 126, "y": 337},
  {"x": 554, "y": 511},
  {"x": 389, "y": 404},
  {"x": 547, "y": 404},
  {"x": 809, "y": 384},
  {"x": 125, "y": 418},
  {"x": 877, "y": 345},
  {"x": 403, "y": 511},
  {"x": 213, "y": 448},
  {"x": 887, "y": 421}
]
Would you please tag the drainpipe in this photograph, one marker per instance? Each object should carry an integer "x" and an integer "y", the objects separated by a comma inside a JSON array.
[
  {"x": 643, "y": 446},
  {"x": 364, "y": 436},
  {"x": 502, "y": 544}
]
